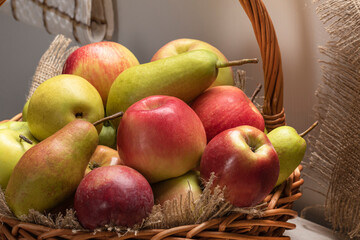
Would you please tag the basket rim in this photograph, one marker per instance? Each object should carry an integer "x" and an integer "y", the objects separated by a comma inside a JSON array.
[{"x": 279, "y": 204}]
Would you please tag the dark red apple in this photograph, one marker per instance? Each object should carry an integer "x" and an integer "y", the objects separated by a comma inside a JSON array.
[
  {"x": 115, "y": 195},
  {"x": 224, "y": 107},
  {"x": 244, "y": 161},
  {"x": 161, "y": 137}
]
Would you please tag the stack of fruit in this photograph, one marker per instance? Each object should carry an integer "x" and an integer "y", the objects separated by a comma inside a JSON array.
[{"x": 182, "y": 120}]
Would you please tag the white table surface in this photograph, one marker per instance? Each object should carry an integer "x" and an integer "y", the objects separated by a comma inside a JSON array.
[{"x": 306, "y": 230}]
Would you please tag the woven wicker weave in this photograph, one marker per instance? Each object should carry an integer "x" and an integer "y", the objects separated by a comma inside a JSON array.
[{"x": 271, "y": 225}]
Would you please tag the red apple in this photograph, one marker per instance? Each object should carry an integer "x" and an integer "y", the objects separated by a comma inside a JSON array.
[
  {"x": 244, "y": 161},
  {"x": 100, "y": 63},
  {"x": 175, "y": 47},
  {"x": 161, "y": 137},
  {"x": 103, "y": 156},
  {"x": 114, "y": 195},
  {"x": 178, "y": 187},
  {"x": 224, "y": 107}
]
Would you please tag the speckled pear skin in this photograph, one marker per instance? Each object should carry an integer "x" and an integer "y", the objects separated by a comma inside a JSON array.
[
  {"x": 184, "y": 76},
  {"x": 290, "y": 147},
  {"x": 50, "y": 172}
]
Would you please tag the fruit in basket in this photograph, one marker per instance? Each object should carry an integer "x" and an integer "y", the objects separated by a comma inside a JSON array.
[
  {"x": 184, "y": 76},
  {"x": 103, "y": 156},
  {"x": 24, "y": 111},
  {"x": 178, "y": 46},
  {"x": 225, "y": 107},
  {"x": 107, "y": 135},
  {"x": 290, "y": 147},
  {"x": 60, "y": 100},
  {"x": 12, "y": 147},
  {"x": 161, "y": 137},
  {"x": 16, "y": 125},
  {"x": 244, "y": 161},
  {"x": 50, "y": 172},
  {"x": 114, "y": 195},
  {"x": 178, "y": 188},
  {"x": 100, "y": 63}
]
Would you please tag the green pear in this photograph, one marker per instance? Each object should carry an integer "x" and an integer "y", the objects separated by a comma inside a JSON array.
[
  {"x": 177, "y": 187},
  {"x": 290, "y": 147},
  {"x": 60, "y": 100},
  {"x": 184, "y": 76},
  {"x": 107, "y": 136},
  {"x": 12, "y": 147},
  {"x": 50, "y": 172},
  {"x": 25, "y": 110}
]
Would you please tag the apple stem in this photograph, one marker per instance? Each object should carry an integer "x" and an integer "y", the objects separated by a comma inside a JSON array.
[
  {"x": 256, "y": 92},
  {"x": 236, "y": 62},
  {"x": 116, "y": 115},
  {"x": 309, "y": 129},
  {"x": 25, "y": 139}
]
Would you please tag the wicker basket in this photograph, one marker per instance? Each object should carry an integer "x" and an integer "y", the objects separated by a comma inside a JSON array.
[{"x": 271, "y": 225}]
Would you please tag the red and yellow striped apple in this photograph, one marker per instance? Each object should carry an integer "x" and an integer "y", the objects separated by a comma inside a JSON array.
[
  {"x": 224, "y": 107},
  {"x": 244, "y": 161},
  {"x": 161, "y": 137},
  {"x": 100, "y": 63}
]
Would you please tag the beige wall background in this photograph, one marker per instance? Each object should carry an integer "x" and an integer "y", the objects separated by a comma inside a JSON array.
[{"x": 144, "y": 26}]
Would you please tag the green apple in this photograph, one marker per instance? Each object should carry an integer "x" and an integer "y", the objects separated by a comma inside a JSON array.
[
  {"x": 12, "y": 147},
  {"x": 15, "y": 125},
  {"x": 24, "y": 111},
  {"x": 177, "y": 187},
  {"x": 60, "y": 100},
  {"x": 107, "y": 135},
  {"x": 178, "y": 46},
  {"x": 290, "y": 147}
]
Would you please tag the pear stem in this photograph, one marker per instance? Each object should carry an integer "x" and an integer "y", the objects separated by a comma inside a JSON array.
[
  {"x": 236, "y": 62},
  {"x": 309, "y": 129},
  {"x": 116, "y": 115},
  {"x": 256, "y": 92},
  {"x": 25, "y": 139}
]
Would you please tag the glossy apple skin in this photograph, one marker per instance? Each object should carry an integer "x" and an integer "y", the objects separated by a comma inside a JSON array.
[
  {"x": 161, "y": 137},
  {"x": 15, "y": 125},
  {"x": 244, "y": 161},
  {"x": 103, "y": 156},
  {"x": 225, "y": 107},
  {"x": 177, "y": 188},
  {"x": 100, "y": 63},
  {"x": 12, "y": 148},
  {"x": 115, "y": 195},
  {"x": 175, "y": 47}
]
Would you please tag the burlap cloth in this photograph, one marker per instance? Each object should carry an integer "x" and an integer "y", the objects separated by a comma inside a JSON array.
[
  {"x": 211, "y": 204},
  {"x": 86, "y": 21},
  {"x": 335, "y": 145}
]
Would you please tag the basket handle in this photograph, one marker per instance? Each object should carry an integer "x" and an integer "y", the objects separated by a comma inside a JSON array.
[{"x": 273, "y": 110}]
